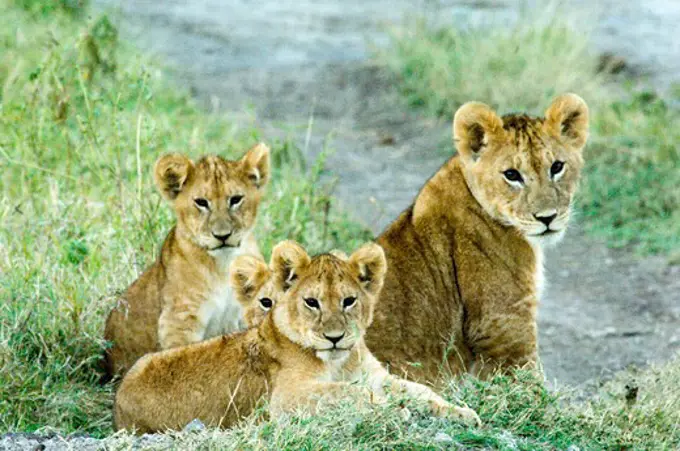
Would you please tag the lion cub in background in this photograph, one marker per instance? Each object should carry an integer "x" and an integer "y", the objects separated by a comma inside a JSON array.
[
  {"x": 466, "y": 259},
  {"x": 308, "y": 347},
  {"x": 185, "y": 296}
]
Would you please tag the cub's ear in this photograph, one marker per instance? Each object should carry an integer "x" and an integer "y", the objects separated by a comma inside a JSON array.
[
  {"x": 288, "y": 259},
  {"x": 567, "y": 118},
  {"x": 369, "y": 266},
  {"x": 171, "y": 174},
  {"x": 247, "y": 274},
  {"x": 256, "y": 164},
  {"x": 473, "y": 125}
]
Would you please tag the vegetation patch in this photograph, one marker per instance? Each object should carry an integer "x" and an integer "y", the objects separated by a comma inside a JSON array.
[{"x": 82, "y": 120}]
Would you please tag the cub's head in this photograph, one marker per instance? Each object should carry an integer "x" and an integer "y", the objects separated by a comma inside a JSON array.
[
  {"x": 253, "y": 285},
  {"x": 524, "y": 170},
  {"x": 215, "y": 199},
  {"x": 327, "y": 301}
]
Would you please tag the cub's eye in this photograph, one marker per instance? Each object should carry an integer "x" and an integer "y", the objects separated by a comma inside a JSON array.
[
  {"x": 513, "y": 175},
  {"x": 235, "y": 200},
  {"x": 266, "y": 303},
  {"x": 556, "y": 168},
  {"x": 312, "y": 303},
  {"x": 201, "y": 203},
  {"x": 348, "y": 302}
]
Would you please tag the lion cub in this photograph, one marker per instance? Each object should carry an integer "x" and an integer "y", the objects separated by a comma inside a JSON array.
[
  {"x": 309, "y": 346},
  {"x": 185, "y": 297},
  {"x": 466, "y": 259}
]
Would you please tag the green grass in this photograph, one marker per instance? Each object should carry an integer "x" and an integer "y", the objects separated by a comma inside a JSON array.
[
  {"x": 518, "y": 414},
  {"x": 82, "y": 119},
  {"x": 631, "y": 189}
]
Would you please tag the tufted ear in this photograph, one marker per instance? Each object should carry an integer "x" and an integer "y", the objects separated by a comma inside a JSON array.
[
  {"x": 288, "y": 259},
  {"x": 247, "y": 275},
  {"x": 171, "y": 173},
  {"x": 369, "y": 266},
  {"x": 567, "y": 118},
  {"x": 473, "y": 125},
  {"x": 337, "y": 253},
  {"x": 256, "y": 164}
]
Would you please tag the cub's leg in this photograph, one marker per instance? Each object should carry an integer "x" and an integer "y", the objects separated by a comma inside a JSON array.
[
  {"x": 380, "y": 378},
  {"x": 504, "y": 340},
  {"x": 288, "y": 397},
  {"x": 436, "y": 403},
  {"x": 180, "y": 324}
]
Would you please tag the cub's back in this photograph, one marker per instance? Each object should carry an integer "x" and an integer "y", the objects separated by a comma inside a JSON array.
[
  {"x": 204, "y": 381},
  {"x": 408, "y": 327}
]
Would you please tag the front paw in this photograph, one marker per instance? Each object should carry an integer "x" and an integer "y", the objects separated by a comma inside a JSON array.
[
  {"x": 442, "y": 408},
  {"x": 465, "y": 415}
]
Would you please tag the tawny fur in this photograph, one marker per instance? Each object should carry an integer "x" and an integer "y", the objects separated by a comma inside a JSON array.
[
  {"x": 185, "y": 296},
  {"x": 465, "y": 260},
  {"x": 287, "y": 359}
]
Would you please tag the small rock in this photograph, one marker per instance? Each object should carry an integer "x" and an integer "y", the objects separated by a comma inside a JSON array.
[
  {"x": 611, "y": 64},
  {"x": 442, "y": 437},
  {"x": 405, "y": 414},
  {"x": 386, "y": 140},
  {"x": 194, "y": 426},
  {"x": 606, "y": 332}
]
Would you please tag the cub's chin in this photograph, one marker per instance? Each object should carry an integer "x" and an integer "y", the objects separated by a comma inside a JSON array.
[
  {"x": 333, "y": 355},
  {"x": 549, "y": 239}
]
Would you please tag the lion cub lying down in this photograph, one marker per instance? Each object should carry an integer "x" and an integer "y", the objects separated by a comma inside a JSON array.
[{"x": 309, "y": 346}]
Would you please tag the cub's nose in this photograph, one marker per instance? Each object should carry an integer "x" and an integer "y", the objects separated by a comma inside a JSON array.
[
  {"x": 222, "y": 238},
  {"x": 546, "y": 218},
  {"x": 335, "y": 339}
]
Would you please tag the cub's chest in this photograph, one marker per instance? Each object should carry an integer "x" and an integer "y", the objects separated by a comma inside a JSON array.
[{"x": 220, "y": 312}]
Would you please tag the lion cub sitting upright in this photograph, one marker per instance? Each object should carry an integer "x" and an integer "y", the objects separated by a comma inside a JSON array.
[
  {"x": 185, "y": 296},
  {"x": 308, "y": 347},
  {"x": 466, "y": 259}
]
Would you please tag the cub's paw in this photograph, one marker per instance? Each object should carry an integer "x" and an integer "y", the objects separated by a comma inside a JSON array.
[
  {"x": 376, "y": 397},
  {"x": 442, "y": 408},
  {"x": 439, "y": 407},
  {"x": 465, "y": 415}
]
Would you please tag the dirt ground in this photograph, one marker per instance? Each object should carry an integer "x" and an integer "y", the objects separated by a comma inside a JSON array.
[{"x": 602, "y": 311}]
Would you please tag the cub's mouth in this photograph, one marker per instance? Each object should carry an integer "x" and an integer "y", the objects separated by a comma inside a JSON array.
[
  {"x": 226, "y": 245},
  {"x": 335, "y": 349}
]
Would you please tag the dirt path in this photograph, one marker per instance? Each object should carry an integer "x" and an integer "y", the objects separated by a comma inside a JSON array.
[{"x": 603, "y": 310}]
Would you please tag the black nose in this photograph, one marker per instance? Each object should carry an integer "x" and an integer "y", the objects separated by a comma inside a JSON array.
[
  {"x": 335, "y": 339},
  {"x": 546, "y": 219},
  {"x": 222, "y": 237}
]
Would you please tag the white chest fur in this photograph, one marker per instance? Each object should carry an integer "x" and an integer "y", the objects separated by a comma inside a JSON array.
[
  {"x": 221, "y": 313},
  {"x": 539, "y": 274}
]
